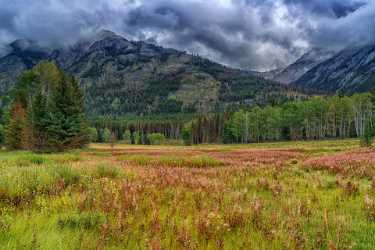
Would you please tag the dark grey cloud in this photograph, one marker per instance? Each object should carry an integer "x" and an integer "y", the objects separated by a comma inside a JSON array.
[
  {"x": 256, "y": 34},
  {"x": 330, "y": 8}
]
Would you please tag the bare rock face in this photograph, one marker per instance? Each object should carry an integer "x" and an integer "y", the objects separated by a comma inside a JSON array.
[
  {"x": 351, "y": 70},
  {"x": 308, "y": 61},
  {"x": 294, "y": 71},
  {"x": 121, "y": 77}
]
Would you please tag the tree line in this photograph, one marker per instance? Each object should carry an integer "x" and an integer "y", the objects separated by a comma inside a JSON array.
[
  {"x": 312, "y": 119},
  {"x": 46, "y": 113}
]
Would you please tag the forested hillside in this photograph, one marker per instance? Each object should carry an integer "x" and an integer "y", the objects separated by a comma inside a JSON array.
[{"x": 121, "y": 77}]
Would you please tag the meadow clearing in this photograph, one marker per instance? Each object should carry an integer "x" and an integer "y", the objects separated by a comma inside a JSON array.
[{"x": 292, "y": 195}]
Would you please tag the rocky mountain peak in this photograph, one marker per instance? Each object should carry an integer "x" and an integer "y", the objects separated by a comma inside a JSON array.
[{"x": 106, "y": 34}]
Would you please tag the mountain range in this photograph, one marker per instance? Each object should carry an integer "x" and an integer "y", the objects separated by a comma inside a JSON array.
[
  {"x": 120, "y": 76},
  {"x": 348, "y": 71}
]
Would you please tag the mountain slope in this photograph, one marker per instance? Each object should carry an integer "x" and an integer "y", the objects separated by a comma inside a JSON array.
[
  {"x": 121, "y": 76},
  {"x": 352, "y": 70},
  {"x": 308, "y": 61},
  {"x": 294, "y": 71}
]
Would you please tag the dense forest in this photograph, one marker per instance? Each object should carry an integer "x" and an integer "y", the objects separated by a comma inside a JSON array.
[{"x": 312, "y": 119}]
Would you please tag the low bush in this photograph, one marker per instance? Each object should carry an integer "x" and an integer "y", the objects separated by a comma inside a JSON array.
[{"x": 156, "y": 139}]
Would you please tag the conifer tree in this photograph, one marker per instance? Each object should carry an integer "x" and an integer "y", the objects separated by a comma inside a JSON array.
[
  {"x": 48, "y": 112},
  {"x": 66, "y": 122},
  {"x": 15, "y": 130}
]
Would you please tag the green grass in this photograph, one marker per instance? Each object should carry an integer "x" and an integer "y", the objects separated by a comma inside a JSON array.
[
  {"x": 78, "y": 200},
  {"x": 173, "y": 161}
]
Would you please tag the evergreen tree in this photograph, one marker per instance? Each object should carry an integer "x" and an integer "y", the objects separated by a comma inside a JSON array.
[
  {"x": 37, "y": 123},
  {"x": 48, "y": 111},
  {"x": 67, "y": 127},
  {"x": 15, "y": 130}
]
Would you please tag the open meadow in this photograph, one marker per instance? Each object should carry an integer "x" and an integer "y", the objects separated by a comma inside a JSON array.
[{"x": 288, "y": 195}]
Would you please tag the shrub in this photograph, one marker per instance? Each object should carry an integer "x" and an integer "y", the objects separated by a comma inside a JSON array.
[
  {"x": 127, "y": 136},
  {"x": 156, "y": 139},
  {"x": 106, "y": 135},
  {"x": 93, "y": 135}
]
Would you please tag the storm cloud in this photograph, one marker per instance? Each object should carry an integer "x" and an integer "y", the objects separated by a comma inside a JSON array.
[{"x": 250, "y": 34}]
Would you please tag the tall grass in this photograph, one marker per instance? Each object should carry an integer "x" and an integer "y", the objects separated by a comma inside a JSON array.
[
  {"x": 183, "y": 202},
  {"x": 173, "y": 161}
]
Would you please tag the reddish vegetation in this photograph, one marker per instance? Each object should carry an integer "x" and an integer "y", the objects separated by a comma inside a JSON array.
[
  {"x": 258, "y": 157},
  {"x": 358, "y": 162}
]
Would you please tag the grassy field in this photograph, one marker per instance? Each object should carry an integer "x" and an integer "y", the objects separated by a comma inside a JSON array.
[{"x": 294, "y": 195}]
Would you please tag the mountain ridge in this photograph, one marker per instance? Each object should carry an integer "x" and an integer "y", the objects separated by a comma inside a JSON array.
[
  {"x": 349, "y": 71},
  {"x": 121, "y": 76}
]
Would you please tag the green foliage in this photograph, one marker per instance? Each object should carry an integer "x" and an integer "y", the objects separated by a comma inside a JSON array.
[
  {"x": 127, "y": 136},
  {"x": 15, "y": 128},
  {"x": 106, "y": 135},
  {"x": 2, "y": 131},
  {"x": 312, "y": 119},
  {"x": 156, "y": 139},
  {"x": 93, "y": 134},
  {"x": 47, "y": 111},
  {"x": 186, "y": 134},
  {"x": 368, "y": 136}
]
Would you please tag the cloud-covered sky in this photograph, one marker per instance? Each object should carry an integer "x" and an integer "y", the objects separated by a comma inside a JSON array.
[{"x": 250, "y": 34}]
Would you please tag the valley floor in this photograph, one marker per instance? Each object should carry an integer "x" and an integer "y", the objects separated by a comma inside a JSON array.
[{"x": 292, "y": 195}]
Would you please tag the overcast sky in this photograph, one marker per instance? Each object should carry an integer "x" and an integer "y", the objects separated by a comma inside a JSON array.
[{"x": 251, "y": 34}]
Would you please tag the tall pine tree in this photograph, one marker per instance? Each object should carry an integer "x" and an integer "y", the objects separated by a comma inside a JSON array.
[{"x": 67, "y": 127}]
